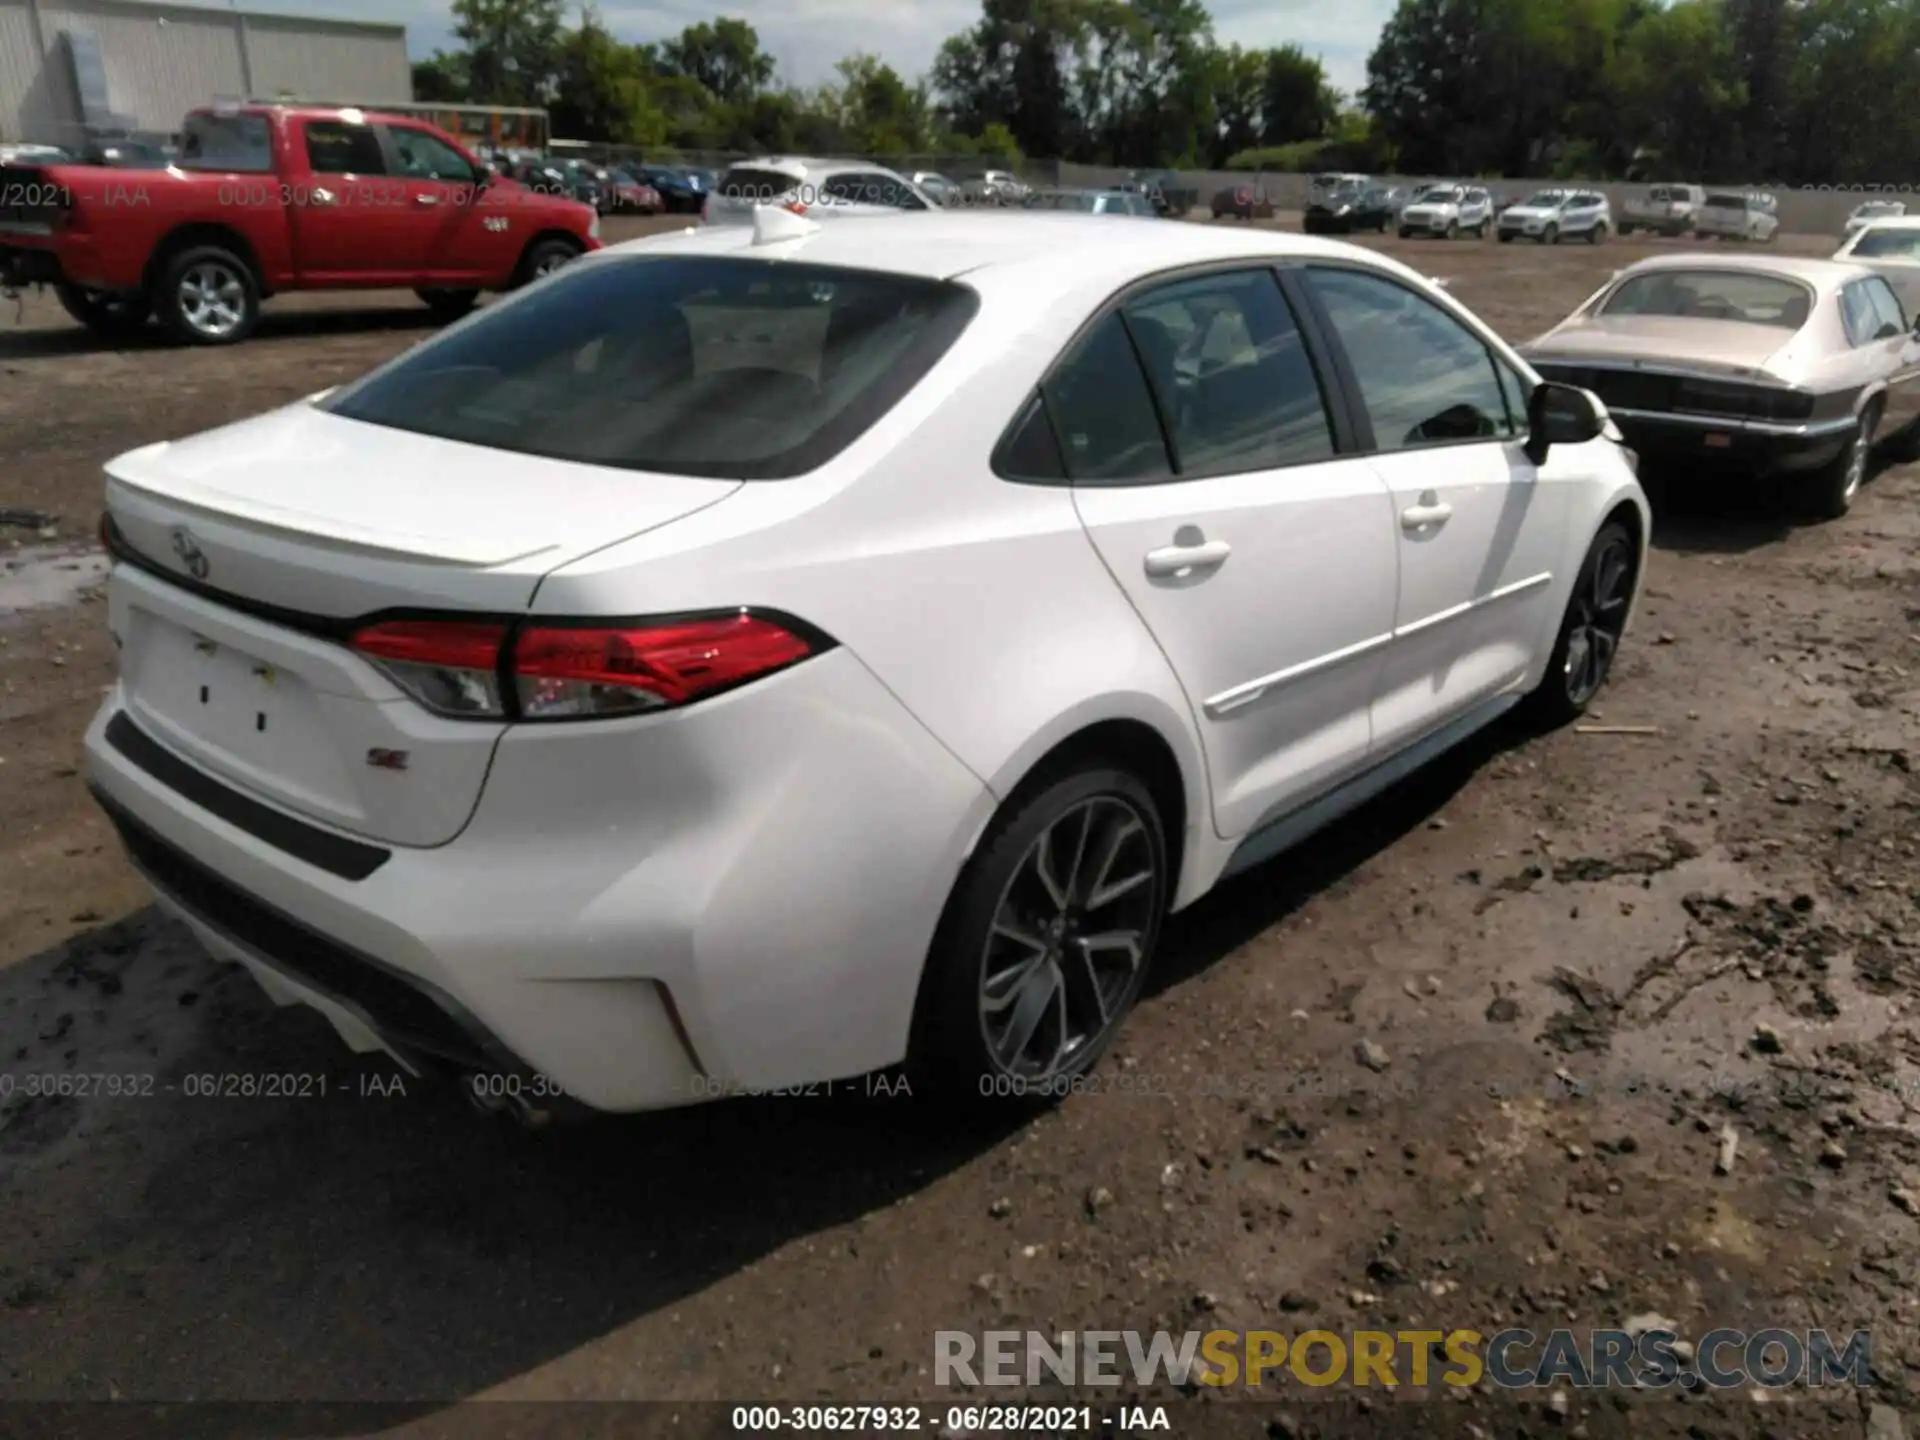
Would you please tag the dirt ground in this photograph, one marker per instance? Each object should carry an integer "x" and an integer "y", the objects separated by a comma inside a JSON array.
[{"x": 1572, "y": 963}]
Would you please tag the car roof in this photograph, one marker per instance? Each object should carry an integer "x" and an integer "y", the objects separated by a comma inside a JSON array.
[
  {"x": 1896, "y": 222},
  {"x": 1822, "y": 274},
  {"x": 1050, "y": 251}
]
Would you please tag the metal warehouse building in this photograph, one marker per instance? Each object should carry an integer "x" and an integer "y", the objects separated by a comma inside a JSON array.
[{"x": 70, "y": 66}]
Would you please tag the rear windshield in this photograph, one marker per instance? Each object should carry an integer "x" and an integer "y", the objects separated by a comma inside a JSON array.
[
  {"x": 226, "y": 142},
  {"x": 1714, "y": 295},
  {"x": 1727, "y": 202},
  {"x": 687, "y": 365},
  {"x": 1886, "y": 242}
]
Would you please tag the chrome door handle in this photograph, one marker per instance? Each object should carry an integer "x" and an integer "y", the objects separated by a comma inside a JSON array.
[
  {"x": 1418, "y": 517},
  {"x": 1184, "y": 559},
  {"x": 426, "y": 199},
  {"x": 321, "y": 197}
]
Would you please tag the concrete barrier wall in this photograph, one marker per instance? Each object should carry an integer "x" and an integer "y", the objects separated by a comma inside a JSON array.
[{"x": 1801, "y": 211}]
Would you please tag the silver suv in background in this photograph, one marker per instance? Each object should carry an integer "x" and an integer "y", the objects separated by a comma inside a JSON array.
[
  {"x": 817, "y": 189},
  {"x": 1547, "y": 217}
]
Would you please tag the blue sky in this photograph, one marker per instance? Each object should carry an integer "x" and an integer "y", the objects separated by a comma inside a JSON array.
[{"x": 808, "y": 36}]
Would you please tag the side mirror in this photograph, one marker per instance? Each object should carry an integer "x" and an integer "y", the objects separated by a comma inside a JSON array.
[{"x": 1559, "y": 415}]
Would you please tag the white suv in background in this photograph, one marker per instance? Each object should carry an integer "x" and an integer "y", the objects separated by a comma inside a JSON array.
[
  {"x": 1446, "y": 209},
  {"x": 1547, "y": 217},
  {"x": 1730, "y": 216},
  {"x": 817, "y": 189}
]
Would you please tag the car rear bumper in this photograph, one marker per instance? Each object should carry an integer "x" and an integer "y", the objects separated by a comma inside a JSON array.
[
  {"x": 1704, "y": 441},
  {"x": 641, "y": 913}
]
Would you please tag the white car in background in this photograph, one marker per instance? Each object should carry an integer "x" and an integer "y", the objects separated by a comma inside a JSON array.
[
  {"x": 1891, "y": 249},
  {"x": 1447, "y": 210},
  {"x": 817, "y": 189},
  {"x": 1727, "y": 215},
  {"x": 1549, "y": 216},
  {"x": 1865, "y": 214},
  {"x": 753, "y": 657}
]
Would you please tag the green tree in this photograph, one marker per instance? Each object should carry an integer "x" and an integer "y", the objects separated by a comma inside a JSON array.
[
  {"x": 1296, "y": 102},
  {"x": 723, "y": 55},
  {"x": 512, "y": 48},
  {"x": 880, "y": 112},
  {"x": 444, "y": 77},
  {"x": 1238, "y": 80}
]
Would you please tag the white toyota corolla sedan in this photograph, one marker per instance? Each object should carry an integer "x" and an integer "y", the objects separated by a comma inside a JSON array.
[{"x": 755, "y": 657}]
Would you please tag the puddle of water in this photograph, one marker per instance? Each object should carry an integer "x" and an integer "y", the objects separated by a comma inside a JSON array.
[{"x": 37, "y": 577}]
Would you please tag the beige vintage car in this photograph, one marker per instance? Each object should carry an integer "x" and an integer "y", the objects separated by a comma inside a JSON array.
[{"x": 1764, "y": 364}]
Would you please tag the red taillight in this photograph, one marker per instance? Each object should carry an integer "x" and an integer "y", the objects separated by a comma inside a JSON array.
[
  {"x": 450, "y": 666},
  {"x": 563, "y": 672},
  {"x": 106, "y": 531},
  {"x": 795, "y": 206}
]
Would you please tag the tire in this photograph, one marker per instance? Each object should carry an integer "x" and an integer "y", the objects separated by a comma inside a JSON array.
[
  {"x": 1405, "y": 234},
  {"x": 1832, "y": 488},
  {"x": 1506, "y": 237},
  {"x": 1598, "y": 234},
  {"x": 1590, "y": 632},
  {"x": 208, "y": 296},
  {"x": 1550, "y": 235},
  {"x": 446, "y": 306},
  {"x": 1005, "y": 892},
  {"x": 1453, "y": 230},
  {"x": 113, "y": 317},
  {"x": 543, "y": 257}
]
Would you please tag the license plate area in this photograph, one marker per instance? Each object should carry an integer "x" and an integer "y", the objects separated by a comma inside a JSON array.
[
  {"x": 236, "y": 714},
  {"x": 213, "y": 689}
]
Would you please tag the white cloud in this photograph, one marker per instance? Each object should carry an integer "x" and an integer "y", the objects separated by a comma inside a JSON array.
[{"x": 807, "y": 37}]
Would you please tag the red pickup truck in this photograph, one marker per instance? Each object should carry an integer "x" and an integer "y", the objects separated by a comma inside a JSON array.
[{"x": 266, "y": 199}]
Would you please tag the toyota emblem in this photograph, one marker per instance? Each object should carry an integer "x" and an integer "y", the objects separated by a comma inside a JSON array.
[{"x": 188, "y": 549}]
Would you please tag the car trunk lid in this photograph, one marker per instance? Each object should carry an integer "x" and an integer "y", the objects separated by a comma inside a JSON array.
[{"x": 256, "y": 549}]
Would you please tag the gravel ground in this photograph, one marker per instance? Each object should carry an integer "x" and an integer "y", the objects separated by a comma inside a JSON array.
[{"x": 1466, "y": 1061}]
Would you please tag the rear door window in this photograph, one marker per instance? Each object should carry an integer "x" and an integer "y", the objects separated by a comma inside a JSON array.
[
  {"x": 1887, "y": 308},
  {"x": 239, "y": 143},
  {"x": 1231, "y": 374},
  {"x": 687, "y": 365},
  {"x": 336, "y": 148},
  {"x": 1103, "y": 412}
]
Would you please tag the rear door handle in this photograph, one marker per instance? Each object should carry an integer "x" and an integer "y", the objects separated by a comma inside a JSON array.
[
  {"x": 426, "y": 199},
  {"x": 1418, "y": 517},
  {"x": 1184, "y": 559}
]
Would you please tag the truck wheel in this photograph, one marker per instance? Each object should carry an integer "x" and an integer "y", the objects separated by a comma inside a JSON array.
[
  {"x": 114, "y": 317},
  {"x": 208, "y": 296},
  {"x": 447, "y": 306},
  {"x": 545, "y": 257}
]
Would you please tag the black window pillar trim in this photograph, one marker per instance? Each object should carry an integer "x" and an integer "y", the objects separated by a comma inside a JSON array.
[
  {"x": 1352, "y": 432},
  {"x": 1293, "y": 280}
]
